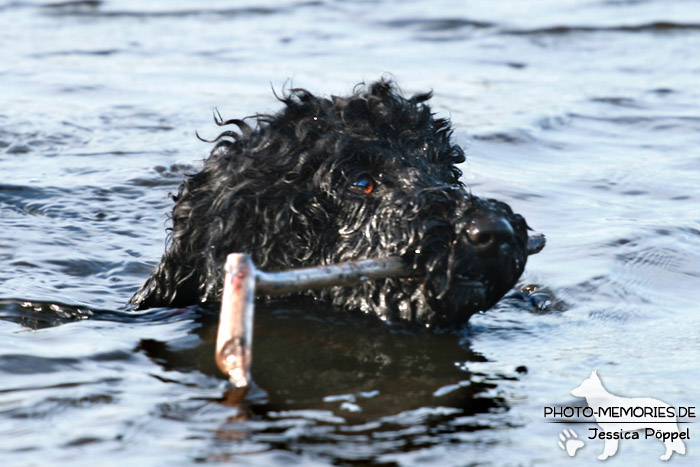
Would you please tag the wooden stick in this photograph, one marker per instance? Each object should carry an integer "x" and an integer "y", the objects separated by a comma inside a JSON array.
[
  {"x": 242, "y": 281},
  {"x": 350, "y": 273},
  {"x": 234, "y": 341}
]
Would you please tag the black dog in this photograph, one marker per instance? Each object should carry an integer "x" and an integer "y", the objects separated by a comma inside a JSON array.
[{"x": 346, "y": 178}]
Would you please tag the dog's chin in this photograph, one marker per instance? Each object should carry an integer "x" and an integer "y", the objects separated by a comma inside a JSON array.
[
  {"x": 464, "y": 298},
  {"x": 472, "y": 286}
]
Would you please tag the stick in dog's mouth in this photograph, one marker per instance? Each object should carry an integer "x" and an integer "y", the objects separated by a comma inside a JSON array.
[{"x": 242, "y": 282}]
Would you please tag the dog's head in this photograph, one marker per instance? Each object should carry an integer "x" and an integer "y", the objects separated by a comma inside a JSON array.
[{"x": 345, "y": 178}]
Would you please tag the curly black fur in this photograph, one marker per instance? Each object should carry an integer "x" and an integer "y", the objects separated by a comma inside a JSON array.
[{"x": 336, "y": 179}]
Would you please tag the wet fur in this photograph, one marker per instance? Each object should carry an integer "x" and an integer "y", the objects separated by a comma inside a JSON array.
[{"x": 284, "y": 190}]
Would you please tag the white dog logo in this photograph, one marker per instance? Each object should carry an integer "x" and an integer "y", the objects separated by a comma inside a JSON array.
[{"x": 637, "y": 413}]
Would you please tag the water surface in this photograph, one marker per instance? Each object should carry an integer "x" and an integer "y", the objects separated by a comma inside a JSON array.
[{"x": 582, "y": 115}]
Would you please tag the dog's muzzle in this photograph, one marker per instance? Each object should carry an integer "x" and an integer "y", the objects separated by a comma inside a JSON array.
[{"x": 488, "y": 256}]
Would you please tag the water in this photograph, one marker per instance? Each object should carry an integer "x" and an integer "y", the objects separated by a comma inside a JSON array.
[{"x": 583, "y": 115}]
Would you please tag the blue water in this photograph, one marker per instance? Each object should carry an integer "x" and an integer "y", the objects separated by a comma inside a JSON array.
[{"x": 582, "y": 115}]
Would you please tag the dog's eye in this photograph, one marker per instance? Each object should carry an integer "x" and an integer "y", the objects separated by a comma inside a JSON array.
[{"x": 364, "y": 185}]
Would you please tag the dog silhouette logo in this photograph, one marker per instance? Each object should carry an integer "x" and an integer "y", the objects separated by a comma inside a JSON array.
[{"x": 623, "y": 417}]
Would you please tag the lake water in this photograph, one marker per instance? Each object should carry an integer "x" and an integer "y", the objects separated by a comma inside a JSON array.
[{"x": 584, "y": 115}]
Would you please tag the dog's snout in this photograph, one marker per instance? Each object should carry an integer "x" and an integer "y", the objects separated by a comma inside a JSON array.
[{"x": 487, "y": 234}]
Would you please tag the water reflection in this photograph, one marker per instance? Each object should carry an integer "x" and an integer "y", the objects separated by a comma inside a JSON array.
[{"x": 323, "y": 375}]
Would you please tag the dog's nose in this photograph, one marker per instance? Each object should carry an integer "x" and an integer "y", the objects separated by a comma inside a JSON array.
[{"x": 487, "y": 234}]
